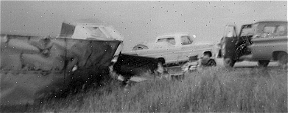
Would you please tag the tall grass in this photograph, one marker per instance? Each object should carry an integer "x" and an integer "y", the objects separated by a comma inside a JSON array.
[{"x": 212, "y": 90}]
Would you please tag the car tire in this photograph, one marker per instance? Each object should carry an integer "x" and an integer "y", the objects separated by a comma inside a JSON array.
[
  {"x": 282, "y": 59},
  {"x": 263, "y": 63},
  {"x": 228, "y": 62}
]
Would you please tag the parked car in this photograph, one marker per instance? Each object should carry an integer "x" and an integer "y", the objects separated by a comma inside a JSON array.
[
  {"x": 174, "y": 48},
  {"x": 263, "y": 41}
]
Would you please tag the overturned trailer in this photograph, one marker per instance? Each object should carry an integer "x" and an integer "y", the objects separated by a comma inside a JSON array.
[{"x": 33, "y": 66}]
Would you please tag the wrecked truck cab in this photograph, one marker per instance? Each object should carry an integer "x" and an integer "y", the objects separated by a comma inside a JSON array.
[
  {"x": 34, "y": 66},
  {"x": 92, "y": 31},
  {"x": 89, "y": 31}
]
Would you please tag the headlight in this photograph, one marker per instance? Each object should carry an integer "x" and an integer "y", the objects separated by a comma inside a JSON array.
[{"x": 4, "y": 39}]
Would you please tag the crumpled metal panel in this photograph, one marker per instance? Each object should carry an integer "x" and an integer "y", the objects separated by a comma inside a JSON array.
[
  {"x": 129, "y": 65},
  {"x": 32, "y": 66}
]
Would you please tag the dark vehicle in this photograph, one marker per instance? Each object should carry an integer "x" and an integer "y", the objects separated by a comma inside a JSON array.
[
  {"x": 131, "y": 65},
  {"x": 263, "y": 41}
]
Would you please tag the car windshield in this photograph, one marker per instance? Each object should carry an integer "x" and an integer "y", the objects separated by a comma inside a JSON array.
[
  {"x": 248, "y": 30},
  {"x": 186, "y": 40},
  {"x": 169, "y": 40}
]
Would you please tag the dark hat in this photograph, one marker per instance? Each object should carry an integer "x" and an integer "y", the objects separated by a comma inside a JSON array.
[{"x": 207, "y": 53}]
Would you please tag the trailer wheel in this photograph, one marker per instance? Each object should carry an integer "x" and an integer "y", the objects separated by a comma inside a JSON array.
[
  {"x": 228, "y": 62},
  {"x": 282, "y": 59},
  {"x": 263, "y": 63}
]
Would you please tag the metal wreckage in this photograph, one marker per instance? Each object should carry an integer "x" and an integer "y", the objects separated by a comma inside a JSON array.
[{"x": 32, "y": 66}]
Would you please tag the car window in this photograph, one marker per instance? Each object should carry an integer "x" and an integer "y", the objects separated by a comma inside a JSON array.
[
  {"x": 96, "y": 32},
  {"x": 169, "y": 40},
  {"x": 186, "y": 40},
  {"x": 248, "y": 30},
  {"x": 281, "y": 31},
  {"x": 269, "y": 29}
]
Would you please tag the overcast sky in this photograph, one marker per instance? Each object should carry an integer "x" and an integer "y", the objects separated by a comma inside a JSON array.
[{"x": 139, "y": 21}]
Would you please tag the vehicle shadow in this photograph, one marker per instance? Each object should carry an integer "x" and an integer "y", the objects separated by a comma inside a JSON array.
[{"x": 243, "y": 67}]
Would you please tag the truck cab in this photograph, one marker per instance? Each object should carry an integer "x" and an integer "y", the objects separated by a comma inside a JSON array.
[
  {"x": 92, "y": 31},
  {"x": 262, "y": 41},
  {"x": 176, "y": 40}
]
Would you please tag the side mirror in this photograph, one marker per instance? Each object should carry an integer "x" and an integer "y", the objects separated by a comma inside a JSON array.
[{"x": 194, "y": 36}]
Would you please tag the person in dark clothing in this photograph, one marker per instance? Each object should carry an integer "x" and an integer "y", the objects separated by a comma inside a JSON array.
[
  {"x": 207, "y": 60},
  {"x": 194, "y": 63}
]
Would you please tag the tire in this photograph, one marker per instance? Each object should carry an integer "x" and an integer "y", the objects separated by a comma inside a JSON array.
[
  {"x": 282, "y": 59},
  {"x": 263, "y": 63},
  {"x": 228, "y": 62}
]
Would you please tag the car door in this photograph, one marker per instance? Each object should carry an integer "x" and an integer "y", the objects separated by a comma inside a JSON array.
[
  {"x": 228, "y": 43},
  {"x": 187, "y": 48}
]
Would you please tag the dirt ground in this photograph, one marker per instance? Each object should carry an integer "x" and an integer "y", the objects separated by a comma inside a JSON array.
[
  {"x": 245, "y": 63},
  {"x": 219, "y": 61}
]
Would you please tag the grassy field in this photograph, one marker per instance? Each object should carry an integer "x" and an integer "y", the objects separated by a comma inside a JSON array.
[{"x": 213, "y": 90}]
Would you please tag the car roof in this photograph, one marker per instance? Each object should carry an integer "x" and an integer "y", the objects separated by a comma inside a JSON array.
[
  {"x": 172, "y": 34},
  {"x": 271, "y": 22}
]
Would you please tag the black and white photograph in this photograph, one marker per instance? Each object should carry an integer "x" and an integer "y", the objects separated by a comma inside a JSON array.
[{"x": 143, "y": 56}]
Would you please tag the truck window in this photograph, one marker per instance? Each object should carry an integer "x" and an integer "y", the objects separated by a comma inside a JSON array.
[
  {"x": 281, "y": 31},
  {"x": 186, "y": 40},
  {"x": 268, "y": 30},
  {"x": 83, "y": 32},
  {"x": 96, "y": 32},
  {"x": 169, "y": 40},
  {"x": 248, "y": 30}
]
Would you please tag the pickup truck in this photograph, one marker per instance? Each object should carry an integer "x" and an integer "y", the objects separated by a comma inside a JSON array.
[
  {"x": 263, "y": 41},
  {"x": 173, "y": 48}
]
